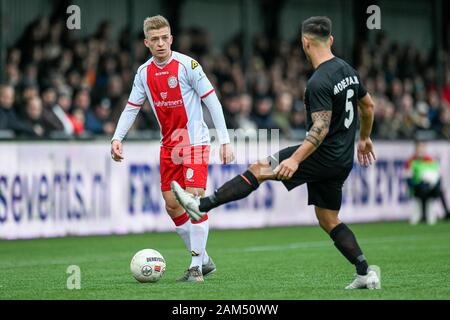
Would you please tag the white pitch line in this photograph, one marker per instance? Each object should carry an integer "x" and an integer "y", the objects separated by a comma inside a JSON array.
[{"x": 318, "y": 244}]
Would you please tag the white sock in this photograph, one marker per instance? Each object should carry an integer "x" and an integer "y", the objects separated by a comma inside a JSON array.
[
  {"x": 183, "y": 228},
  {"x": 416, "y": 213},
  {"x": 199, "y": 237},
  {"x": 205, "y": 254}
]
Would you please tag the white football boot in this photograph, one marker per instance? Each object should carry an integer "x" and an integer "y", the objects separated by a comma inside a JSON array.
[
  {"x": 370, "y": 281},
  {"x": 188, "y": 201}
]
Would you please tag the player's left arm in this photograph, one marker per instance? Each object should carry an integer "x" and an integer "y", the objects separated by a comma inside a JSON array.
[
  {"x": 207, "y": 94},
  {"x": 365, "y": 150}
]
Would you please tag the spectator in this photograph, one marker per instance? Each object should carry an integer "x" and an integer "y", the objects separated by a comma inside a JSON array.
[
  {"x": 299, "y": 116},
  {"x": 283, "y": 111},
  {"x": 61, "y": 110},
  {"x": 443, "y": 127},
  {"x": 51, "y": 121},
  {"x": 231, "y": 110},
  {"x": 400, "y": 77},
  {"x": 30, "y": 76},
  {"x": 77, "y": 117},
  {"x": 115, "y": 91},
  {"x": 98, "y": 121},
  {"x": 34, "y": 117},
  {"x": 9, "y": 119},
  {"x": 262, "y": 115},
  {"x": 82, "y": 100},
  {"x": 434, "y": 108},
  {"x": 243, "y": 120},
  {"x": 446, "y": 89},
  {"x": 29, "y": 92}
]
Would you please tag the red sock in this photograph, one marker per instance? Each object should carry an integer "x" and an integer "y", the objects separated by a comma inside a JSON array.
[
  {"x": 181, "y": 219},
  {"x": 205, "y": 217}
]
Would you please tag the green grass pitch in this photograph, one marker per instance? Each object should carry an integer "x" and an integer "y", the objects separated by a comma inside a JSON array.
[{"x": 275, "y": 263}]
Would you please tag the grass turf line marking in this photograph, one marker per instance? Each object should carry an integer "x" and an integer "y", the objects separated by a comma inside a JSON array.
[{"x": 318, "y": 244}]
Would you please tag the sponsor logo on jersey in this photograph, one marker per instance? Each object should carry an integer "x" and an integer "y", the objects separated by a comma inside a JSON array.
[
  {"x": 172, "y": 82},
  {"x": 194, "y": 64},
  {"x": 169, "y": 104},
  {"x": 189, "y": 173},
  {"x": 163, "y": 95},
  {"x": 162, "y": 73}
]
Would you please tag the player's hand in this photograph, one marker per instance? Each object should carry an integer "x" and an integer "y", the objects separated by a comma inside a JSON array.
[
  {"x": 116, "y": 151},
  {"x": 366, "y": 155},
  {"x": 286, "y": 169},
  {"x": 226, "y": 153}
]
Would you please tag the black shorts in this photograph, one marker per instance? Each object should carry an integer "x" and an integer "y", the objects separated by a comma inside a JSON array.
[{"x": 324, "y": 183}]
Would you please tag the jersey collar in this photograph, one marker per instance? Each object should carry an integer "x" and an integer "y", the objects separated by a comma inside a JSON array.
[
  {"x": 325, "y": 62},
  {"x": 165, "y": 63}
]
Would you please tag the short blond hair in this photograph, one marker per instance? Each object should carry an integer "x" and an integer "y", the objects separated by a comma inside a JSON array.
[{"x": 155, "y": 23}]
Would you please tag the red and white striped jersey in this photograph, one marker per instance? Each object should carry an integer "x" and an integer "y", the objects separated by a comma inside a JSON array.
[{"x": 174, "y": 91}]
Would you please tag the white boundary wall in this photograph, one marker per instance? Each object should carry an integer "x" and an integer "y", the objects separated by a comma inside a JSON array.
[{"x": 50, "y": 189}]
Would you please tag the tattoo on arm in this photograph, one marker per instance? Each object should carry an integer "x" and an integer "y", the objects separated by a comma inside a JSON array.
[
  {"x": 321, "y": 124},
  {"x": 317, "y": 130},
  {"x": 322, "y": 119},
  {"x": 315, "y": 142}
]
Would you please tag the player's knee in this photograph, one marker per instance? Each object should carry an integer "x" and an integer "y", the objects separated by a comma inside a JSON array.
[
  {"x": 324, "y": 225},
  {"x": 172, "y": 208},
  {"x": 199, "y": 192},
  {"x": 328, "y": 222},
  {"x": 254, "y": 169},
  {"x": 260, "y": 170}
]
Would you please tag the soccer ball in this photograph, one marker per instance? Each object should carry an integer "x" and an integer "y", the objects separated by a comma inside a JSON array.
[
  {"x": 431, "y": 177},
  {"x": 148, "y": 265}
]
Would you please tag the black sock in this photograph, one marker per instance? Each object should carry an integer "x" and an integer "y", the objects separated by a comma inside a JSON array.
[
  {"x": 424, "y": 210},
  {"x": 237, "y": 188},
  {"x": 444, "y": 203},
  {"x": 345, "y": 241}
]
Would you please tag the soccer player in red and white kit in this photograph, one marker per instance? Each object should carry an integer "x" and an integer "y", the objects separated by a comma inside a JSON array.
[{"x": 175, "y": 85}]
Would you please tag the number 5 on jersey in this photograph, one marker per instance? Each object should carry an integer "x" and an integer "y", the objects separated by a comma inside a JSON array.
[{"x": 349, "y": 108}]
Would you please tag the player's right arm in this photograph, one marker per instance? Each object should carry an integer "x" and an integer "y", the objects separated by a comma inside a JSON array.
[
  {"x": 365, "y": 146},
  {"x": 128, "y": 116},
  {"x": 320, "y": 101}
]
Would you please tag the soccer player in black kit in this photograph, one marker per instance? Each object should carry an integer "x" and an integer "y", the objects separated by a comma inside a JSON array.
[{"x": 334, "y": 94}]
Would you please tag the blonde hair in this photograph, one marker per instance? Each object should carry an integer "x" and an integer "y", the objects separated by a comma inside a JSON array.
[{"x": 155, "y": 23}]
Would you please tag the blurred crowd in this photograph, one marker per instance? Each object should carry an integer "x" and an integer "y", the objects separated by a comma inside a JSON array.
[{"x": 59, "y": 85}]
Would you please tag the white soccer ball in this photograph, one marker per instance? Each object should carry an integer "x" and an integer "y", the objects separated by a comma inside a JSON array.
[
  {"x": 430, "y": 177},
  {"x": 148, "y": 265}
]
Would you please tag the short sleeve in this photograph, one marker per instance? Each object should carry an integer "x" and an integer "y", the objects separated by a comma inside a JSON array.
[
  {"x": 361, "y": 89},
  {"x": 137, "y": 95},
  {"x": 199, "y": 80},
  {"x": 320, "y": 96}
]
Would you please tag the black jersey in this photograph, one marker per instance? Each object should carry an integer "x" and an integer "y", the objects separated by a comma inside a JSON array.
[{"x": 335, "y": 86}]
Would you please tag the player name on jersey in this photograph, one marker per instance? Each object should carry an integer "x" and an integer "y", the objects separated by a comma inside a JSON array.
[{"x": 344, "y": 83}]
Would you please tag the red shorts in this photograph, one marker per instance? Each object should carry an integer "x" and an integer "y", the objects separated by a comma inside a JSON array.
[{"x": 186, "y": 165}]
